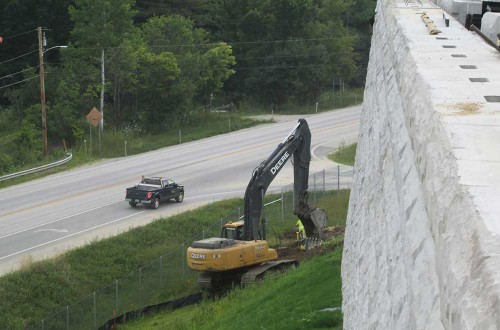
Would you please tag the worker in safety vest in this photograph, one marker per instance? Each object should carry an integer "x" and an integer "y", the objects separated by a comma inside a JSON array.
[{"x": 300, "y": 229}]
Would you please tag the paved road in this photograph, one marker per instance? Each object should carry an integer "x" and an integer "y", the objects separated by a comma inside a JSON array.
[{"x": 42, "y": 218}]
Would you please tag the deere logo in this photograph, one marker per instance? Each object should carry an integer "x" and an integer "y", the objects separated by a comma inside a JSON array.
[
  {"x": 280, "y": 162},
  {"x": 198, "y": 256}
]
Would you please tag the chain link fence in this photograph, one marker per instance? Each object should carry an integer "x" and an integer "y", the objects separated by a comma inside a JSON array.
[{"x": 168, "y": 277}]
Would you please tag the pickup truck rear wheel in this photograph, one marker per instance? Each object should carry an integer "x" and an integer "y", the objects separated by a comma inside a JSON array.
[
  {"x": 180, "y": 198},
  {"x": 133, "y": 204},
  {"x": 156, "y": 203}
]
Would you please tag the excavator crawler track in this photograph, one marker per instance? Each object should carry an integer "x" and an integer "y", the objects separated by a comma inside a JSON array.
[
  {"x": 256, "y": 273},
  {"x": 219, "y": 282}
]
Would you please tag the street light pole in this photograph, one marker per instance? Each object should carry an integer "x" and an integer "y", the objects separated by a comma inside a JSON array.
[
  {"x": 42, "y": 88},
  {"x": 42, "y": 92}
]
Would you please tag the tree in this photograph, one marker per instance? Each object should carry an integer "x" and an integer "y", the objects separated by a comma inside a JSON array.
[
  {"x": 102, "y": 26},
  {"x": 28, "y": 144},
  {"x": 215, "y": 71},
  {"x": 286, "y": 50},
  {"x": 203, "y": 66},
  {"x": 62, "y": 118},
  {"x": 358, "y": 18},
  {"x": 178, "y": 36},
  {"x": 156, "y": 89},
  {"x": 186, "y": 8}
]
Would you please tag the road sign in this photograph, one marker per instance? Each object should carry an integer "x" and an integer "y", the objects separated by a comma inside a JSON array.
[{"x": 94, "y": 117}]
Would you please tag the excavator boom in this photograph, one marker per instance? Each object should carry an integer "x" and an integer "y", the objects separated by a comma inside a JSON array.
[{"x": 297, "y": 145}]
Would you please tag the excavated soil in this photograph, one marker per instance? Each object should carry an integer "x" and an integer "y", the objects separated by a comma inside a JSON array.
[{"x": 292, "y": 249}]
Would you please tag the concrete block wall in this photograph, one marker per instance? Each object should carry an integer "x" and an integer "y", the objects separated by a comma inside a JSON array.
[
  {"x": 418, "y": 251},
  {"x": 490, "y": 22},
  {"x": 490, "y": 26}
]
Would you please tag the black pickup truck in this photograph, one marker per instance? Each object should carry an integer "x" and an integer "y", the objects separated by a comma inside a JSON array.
[{"x": 153, "y": 191}]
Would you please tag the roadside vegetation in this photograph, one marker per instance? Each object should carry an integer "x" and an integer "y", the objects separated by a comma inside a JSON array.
[
  {"x": 168, "y": 66},
  {"x": 19, "y": 156},
  {"x": 344, "y": 155},
  {"x": 41, "y": 288},
  {"x": 309, "y": 297}
]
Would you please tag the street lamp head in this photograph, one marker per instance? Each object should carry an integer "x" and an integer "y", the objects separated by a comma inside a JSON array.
[{"x": 54, "y": 47}]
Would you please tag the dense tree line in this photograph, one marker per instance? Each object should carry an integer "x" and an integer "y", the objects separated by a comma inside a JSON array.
[{"x": 165, "y": 59}]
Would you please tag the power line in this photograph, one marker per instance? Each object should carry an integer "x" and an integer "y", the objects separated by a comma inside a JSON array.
[
  {"x": 19, "y": 34},
  {"x": 15, "y": 58},
  {"x": 286, "y": 67},
  {"x": 301, "y": 55},
  {"x": 26, "y": 54},
  {"x": 15, "y": 73},
  {"x": 259, "y": 42},
  {"x": 230, "y": 43},
  {"x": 18, "y": 82}
]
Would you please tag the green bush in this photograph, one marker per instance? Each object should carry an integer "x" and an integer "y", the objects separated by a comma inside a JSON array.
[{"x": 6, "y": 163}]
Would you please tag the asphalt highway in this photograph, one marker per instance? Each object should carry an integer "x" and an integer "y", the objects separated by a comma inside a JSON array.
[{"x": 44, "y": 217}]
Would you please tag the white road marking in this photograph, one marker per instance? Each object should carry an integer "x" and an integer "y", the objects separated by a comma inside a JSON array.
[
  {"x": 66, "y": 217},
  {"x": 61, "y": 238},
  {"x": 52, "y": 230}
]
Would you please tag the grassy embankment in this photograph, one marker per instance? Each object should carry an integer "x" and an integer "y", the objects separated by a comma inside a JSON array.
[
  {"x": 344, "y": 155},
  {"x": 42, "y": 288},
  {"x": 308, "y": 297}
]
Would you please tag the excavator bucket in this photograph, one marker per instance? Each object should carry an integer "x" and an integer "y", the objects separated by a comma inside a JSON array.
[
  {"x": 315, "y": 222},
  {"x": 319, "y": 218}
]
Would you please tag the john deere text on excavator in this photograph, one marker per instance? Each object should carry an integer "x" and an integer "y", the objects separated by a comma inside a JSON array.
[{"x": 247, "y": 256}]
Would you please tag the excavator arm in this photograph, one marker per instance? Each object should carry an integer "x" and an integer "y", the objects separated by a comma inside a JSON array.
[{"x": 296, "y": 145}]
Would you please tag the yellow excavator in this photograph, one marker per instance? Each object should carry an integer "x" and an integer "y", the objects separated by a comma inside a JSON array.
[{"x": 241, "y": 255}]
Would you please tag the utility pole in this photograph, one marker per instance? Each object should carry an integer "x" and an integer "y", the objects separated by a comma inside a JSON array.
[
  {"x": 42, "y": 91},
  {"x": 102, "y": 90},
  {"x": 101, "y": 124}
]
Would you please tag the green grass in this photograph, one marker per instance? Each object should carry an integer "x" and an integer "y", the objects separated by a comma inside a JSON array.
[
  {"x": 42, "y": 288},
  {"x": 78, "y": 159},
  {"x": 308, "y": 297},
  {"x": 209, "y": 124},
  {"x": 344, "y": 155},
  {"x": 327, "y": 101}
]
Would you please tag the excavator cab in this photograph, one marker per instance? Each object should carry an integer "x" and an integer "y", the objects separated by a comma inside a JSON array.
[{"x": 233, "y": 230}]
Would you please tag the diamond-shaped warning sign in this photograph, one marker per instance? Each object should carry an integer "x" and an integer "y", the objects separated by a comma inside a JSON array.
[{"x": 94, "y": 116}]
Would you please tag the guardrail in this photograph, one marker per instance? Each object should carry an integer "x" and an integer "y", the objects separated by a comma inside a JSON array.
[{"x": 69, "y": 156}]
